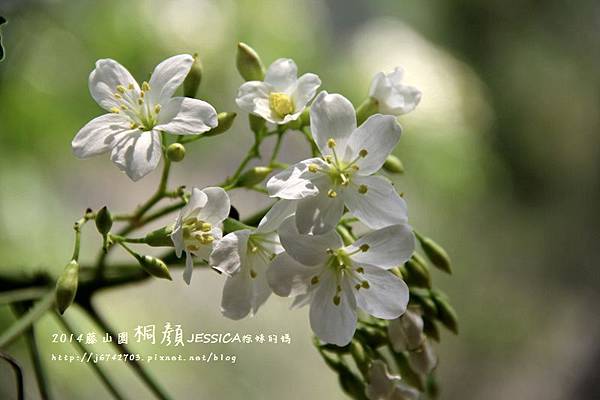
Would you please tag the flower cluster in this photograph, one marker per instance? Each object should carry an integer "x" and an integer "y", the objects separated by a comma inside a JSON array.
[{"x": 304, "y": 246}]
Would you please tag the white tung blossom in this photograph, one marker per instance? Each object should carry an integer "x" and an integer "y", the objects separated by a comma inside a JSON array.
[
  {"x": 337, "y": 279},
  {"x": 197, "y": 225},
  {"x": 282, "y": 96},
  {"x": 131, "y": 131},
  {"x": 244, "y": 256},
  {"x": 343, "y": 175},
  {"x": 385, "y": 386},
  {"x": 393, "y": 97}
]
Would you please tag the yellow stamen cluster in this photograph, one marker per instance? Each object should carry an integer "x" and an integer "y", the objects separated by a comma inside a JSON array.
[
  {"x": 281, "y": 103},
  {"x": 131, "y": 103}
]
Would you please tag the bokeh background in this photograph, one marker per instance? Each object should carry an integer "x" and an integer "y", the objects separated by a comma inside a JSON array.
[{"x": 502, "y": 161}]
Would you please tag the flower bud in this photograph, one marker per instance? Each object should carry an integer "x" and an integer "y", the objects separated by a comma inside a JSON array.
[
  {"x": 154, "y": 267},
  {"x": 435, "y": 253},
  {"x": 393, "y": 164},
  {"x": 160, "y": 237},
  {"x": 422, "y": 298},
  {"x": 366, "y": 109},
  {"x": 257, "y": 124},
  {"x": 193, "y": 78},
  {"x": 417, "y": 274},
  {"x": 360, "y": 358},
  {"x": 407, "y": 373},
  {"x": 248, "y": 63},
  {"x": 423, "y": 360},
  {"x": 446, "y": 314},
  {"x": 253, "y": 176},
  {"x": 430, "y": 329},
  {"x": 225, "y": 120},
  {"x": 66, "y": 286},
  {"x": 176, "y": 152},
  {"x": 351, "y": 384},
  {"x": 103, "y": 221},
  {"x": 406, "y": 332}
]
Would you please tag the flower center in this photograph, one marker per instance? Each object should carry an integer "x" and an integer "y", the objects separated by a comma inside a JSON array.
[
  {"x": 134, "y": 105},
  {"x": 339, "y": 171},
  {"x": 340, "y": 262},
  {"x": 196, "y": 233},
  {"x": 281, "y": 103},
  {"x": 257, "y": 247}
]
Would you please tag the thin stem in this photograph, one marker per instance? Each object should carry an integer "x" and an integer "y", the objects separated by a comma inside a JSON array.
[
  {"x": 23, "y": 323},
  {"x": 13, "y": 296},
  {"x": 277, "y": 148},
  {"x": 137, "y": 367},
  {"x": 38, "y": 367},
  {"x": 18, "y": 374},
  {"x": 123, "y": 239},
  {"x": 313, "y": 146},
  {"x": 77, "y": 228},
  {"x": 82, "y": 349}
]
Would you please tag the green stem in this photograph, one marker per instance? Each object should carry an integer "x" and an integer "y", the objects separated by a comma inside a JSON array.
[
  {"x": 38, "y": 367},
  {"x": 18, "y": 374},
  {"x": 137, "y": 367},
  {"x": 13, "y": 296},
  {"x": 23, "y": 323},
  {"x": 277, "y": 148},
  {"x": 123, "y": 239},
  {"x": 82, "y": 349},
  {"x": 313, "y": 146}
]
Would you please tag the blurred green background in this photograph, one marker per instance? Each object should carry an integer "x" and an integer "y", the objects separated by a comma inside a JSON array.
[{"x": 502, "y": 160}]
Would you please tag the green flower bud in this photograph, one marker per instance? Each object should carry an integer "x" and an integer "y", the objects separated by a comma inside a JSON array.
[
  {"x": 225, "y": 122},
  {"x": 360, "y": 357},
  {"x": 446, "y": 314},
  {"x": 435, "y": 253},
  {"x": 257, "y": 124},
  {"x": 430, "y": 329},
  {"x": 393, "y": 164},
  {"x": 176, "y": 152},
  {"x": 352, "y": 384},
  {"x": 160, "y": 237},
  {"x": 417, "y": 273},
  {"x": 193, "y": 78},
  {"x": 254, "y": 176},
  {"x": 66, "y": 286},
  {"x": 368, "y": 107},
  {"x": 248, "y": 63},
  {"x": 422, "y": 298},
  {"x": 154, "y": 267},
  {"x": 103, "y": 221}
]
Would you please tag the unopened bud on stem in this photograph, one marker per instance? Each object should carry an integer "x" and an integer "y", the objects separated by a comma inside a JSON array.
[
  {"x": 66, "y": 286},
  {"x": 225, "y": 120},
  {"x": 253, "y": 176},
  {"x": 435, "y": 253},
  {"x": 249, "y": 64},
  {"x": 154, "y": 266},
  {"x": 393, "y": 164},
  {"x": 176, "y": 152},
  {"x": 193, "y": 78}
]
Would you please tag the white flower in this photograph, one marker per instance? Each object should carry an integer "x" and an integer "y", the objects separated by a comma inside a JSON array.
[
  {"x": 196, "y": 229},
  {"x": 282, "y": 96},
  {"x": 337, "y": 279},
  {"x": 385, "y": 386},
  {"x": 131, "y": 131},
  {"x": 350, "y": 155},
  {"x": 392, "y": 96},
  {"x": 423, "y": 360},
  {"x": 406, "y": 332},
  {"x": 244, "y": 256}
]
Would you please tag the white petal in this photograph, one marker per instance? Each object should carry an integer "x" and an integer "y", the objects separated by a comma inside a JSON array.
[
  {"x": 99, "y": 135},
  {"x": 227, "y": 253},
  {"x": 332, "y": 323},
  {"x": 167, "y": 77},
  {"x": 217, "y": 207},
  {"x": 388, "y": 247},
  {"x": 276, "y": 215},
  {"x": 423, "y": 360},
  {"x": 332, "y": 116},
  {"x": 378, "y": 135},
  {"x": 236, "y": 302},
  {"x": 384, "y": 386},
  {"x": 394, "y": 98},
  {"x": 186, "y": 116},
  {"x": 301, "y": 300},
  {"x": 177, "y": 237},
  {"x": 304, "y": 90},
  {"x": 189, "y": 268},
  {"x": 381, "y": 206},
  {"x": 406, "y": 332},
  {"x": 137, "y": 154},
  {"x": 253, "y": 97},
  {"x": 387, "y": 295},
  {"x": 287, "y": 277},
  {"x": 282, "y": 74},
  {"x": 319, "y": 214},
  {"x": 296, "y": 182},
  {"x": 307, "y": 249},
  {"x": 104, "y": 80}
]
